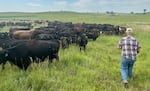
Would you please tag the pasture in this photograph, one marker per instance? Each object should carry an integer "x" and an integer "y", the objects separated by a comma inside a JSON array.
[{"x": 96, "y": 69}]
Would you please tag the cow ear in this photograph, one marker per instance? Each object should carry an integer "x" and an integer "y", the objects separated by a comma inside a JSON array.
[{"x": 6, "y": 54}]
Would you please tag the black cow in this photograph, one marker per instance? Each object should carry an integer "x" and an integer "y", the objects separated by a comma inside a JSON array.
[
  {"x": 7, "y": 43},
  {"x": 82, "y": 40},
  {"x": 20, "y": 53},
  {"x": 65, "y": 42},
  {"x": 92, "y": 34},
  {"x": 45, "y": 36},
  {"x": 4, "y": 35},
  {"x": 16, "y": 56},
  {"x": 5, "y": 40},
  {"x": 4, "y": 43}
]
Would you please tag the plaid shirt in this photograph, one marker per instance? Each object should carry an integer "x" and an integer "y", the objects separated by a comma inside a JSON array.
[{"x": 129, "y": 46}]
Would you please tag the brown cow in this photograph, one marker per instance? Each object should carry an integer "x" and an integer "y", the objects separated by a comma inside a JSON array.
[
  {"x": 22, "y": 34},
  {"x": 122, "y": 30}
]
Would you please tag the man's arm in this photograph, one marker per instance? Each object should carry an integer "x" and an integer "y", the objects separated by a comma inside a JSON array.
[
  {"x": 120, "y": 44},
  {"x": 138, "y": 50}
]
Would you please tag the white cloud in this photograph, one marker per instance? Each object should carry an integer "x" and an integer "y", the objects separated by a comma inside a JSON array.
[
  {"x": 35, "y": 0},
  {"x": 60, "y": 3},
  {"x": 85, "y": 6},
  {"x": 34, "y": 4},
  {"x": 84, "y": 3},
  {"x": 122, "y": 2}
]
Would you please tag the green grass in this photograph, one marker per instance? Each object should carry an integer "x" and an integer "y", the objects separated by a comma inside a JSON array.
[{"x": 96, "y": 69}]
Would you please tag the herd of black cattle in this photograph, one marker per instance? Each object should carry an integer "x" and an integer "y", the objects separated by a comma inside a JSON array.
[{"x": 22, "y": 46}]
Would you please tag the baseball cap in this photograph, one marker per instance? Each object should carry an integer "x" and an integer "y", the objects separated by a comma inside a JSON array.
[{"x": 129, "y": 30}]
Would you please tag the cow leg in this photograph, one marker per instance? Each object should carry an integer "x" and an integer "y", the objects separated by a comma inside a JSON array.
[
  {"x": 80, "y": 48},
  {"x": 51, "y": 58},
  {"x": 25, "y": 63},
  {"x": 32, "y": 59},
  {"x": 57, "y": 57},
  {"x": 84, "y": 47},
  {"x": 42, "y": 59},
  {"x": 3, "y": 66},
  {"x": 38, "y": 60},
  {"x": 49, "y": 61}
]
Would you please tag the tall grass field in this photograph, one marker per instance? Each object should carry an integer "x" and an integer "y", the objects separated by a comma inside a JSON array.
[{"x": 96, "y": 69}]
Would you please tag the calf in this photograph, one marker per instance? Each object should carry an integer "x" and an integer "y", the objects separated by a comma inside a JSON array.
[{"x": 82, "y": 40}]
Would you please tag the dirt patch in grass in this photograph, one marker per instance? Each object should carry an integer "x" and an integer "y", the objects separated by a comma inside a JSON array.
[
  {"x": 145, "y": 28},
  {"x": 141, "y": 26}
]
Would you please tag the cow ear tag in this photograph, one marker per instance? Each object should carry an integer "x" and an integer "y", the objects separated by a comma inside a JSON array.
[{"x": 6, "y": 54}]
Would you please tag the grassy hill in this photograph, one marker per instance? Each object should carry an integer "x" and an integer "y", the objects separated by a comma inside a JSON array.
[
  {"x": 97, "y": 69},
  {"x": 75, "y": 17}
]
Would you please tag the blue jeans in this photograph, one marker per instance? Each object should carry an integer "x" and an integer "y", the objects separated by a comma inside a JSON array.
[{"x": 126, "y": 68}]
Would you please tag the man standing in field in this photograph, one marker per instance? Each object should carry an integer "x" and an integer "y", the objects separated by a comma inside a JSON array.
[{"x": 130, "y": 47}]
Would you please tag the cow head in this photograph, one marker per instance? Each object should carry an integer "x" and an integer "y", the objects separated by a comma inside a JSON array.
[{"x": 3, "y": 56}]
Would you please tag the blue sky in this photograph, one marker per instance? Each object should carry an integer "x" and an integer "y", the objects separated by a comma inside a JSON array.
[{"x": 74, "y": 5}]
